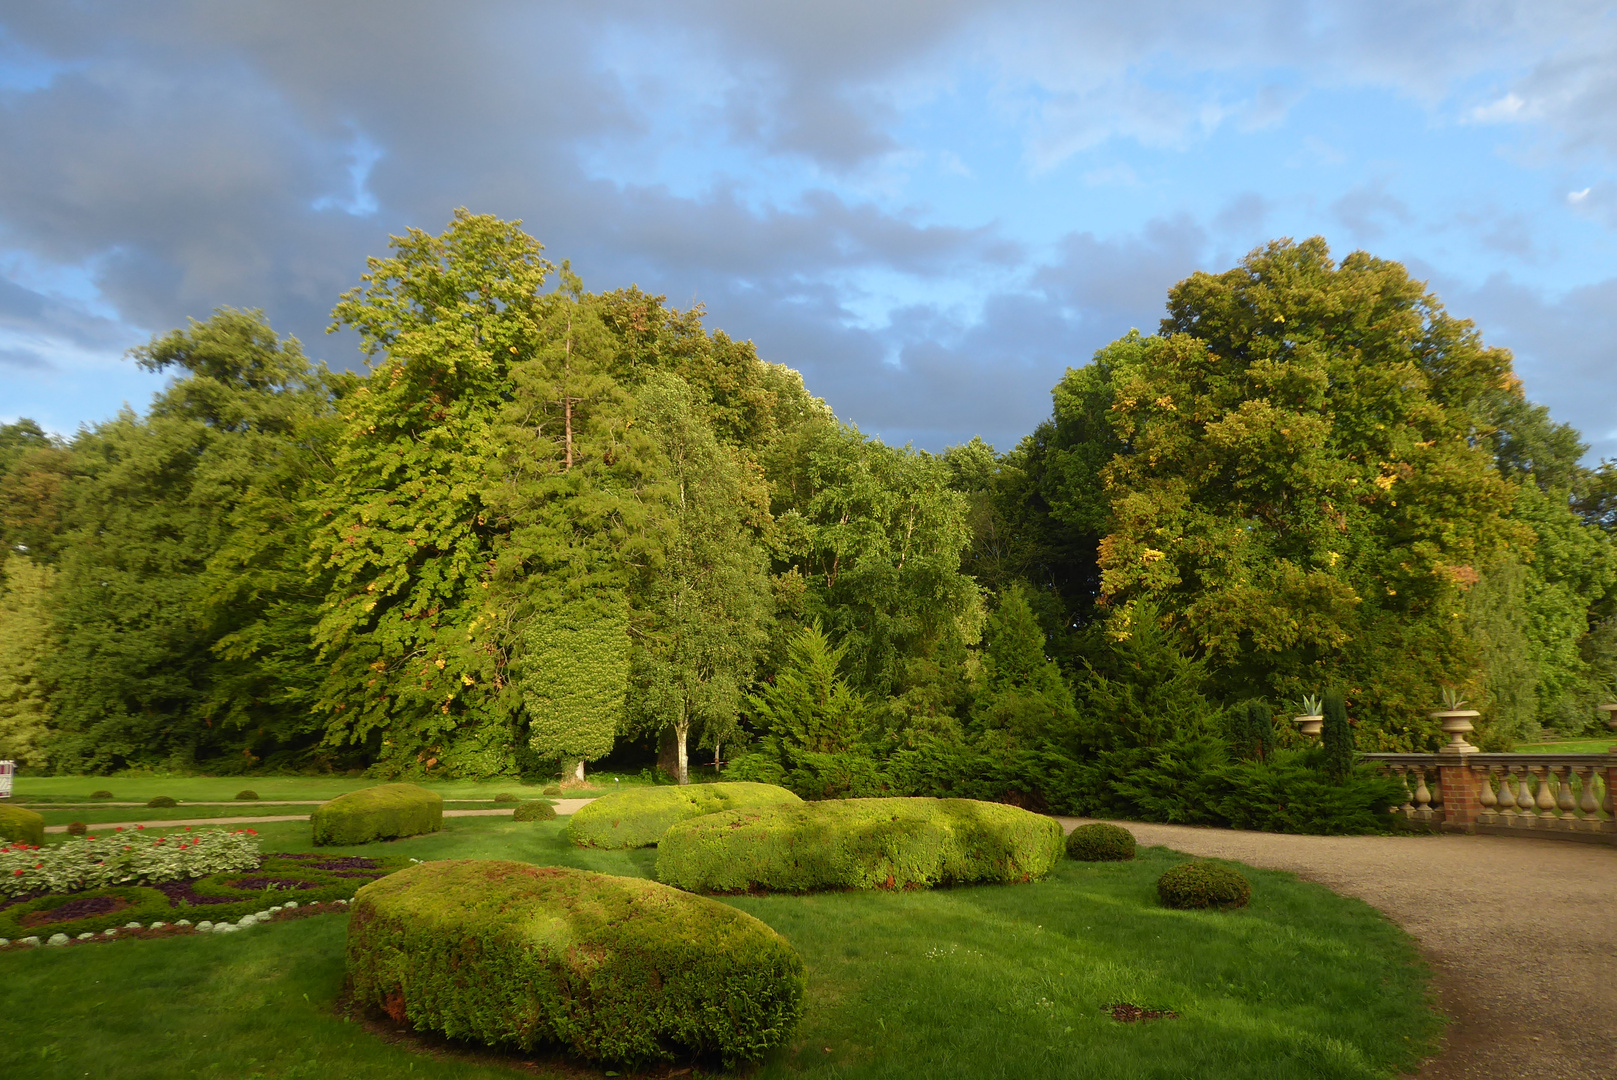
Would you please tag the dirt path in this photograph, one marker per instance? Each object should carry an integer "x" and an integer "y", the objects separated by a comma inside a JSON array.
[
  {"x": 1521, "y": 935},
  {"x": 563, "y": 808}
]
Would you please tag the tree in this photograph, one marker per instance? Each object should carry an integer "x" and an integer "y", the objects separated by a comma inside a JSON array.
[
  {"x": 576, "y": 665},
  {"x": 707, "y": 605},
  {"x": 1336, "y": 735},
  {"x": 1023, "y": 699},
  {"x": 26, "y": 639},
  {"x": 810, "y": 707},
  {"x": 1305, "y": 480}
]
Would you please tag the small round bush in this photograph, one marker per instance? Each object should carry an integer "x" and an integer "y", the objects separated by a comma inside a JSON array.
[
  {"x": 77, "y": 828},
  {"x": 506, "y": 796},
  {"x": 247, "y": 796},
  {"x": 383, "y": 812},
  {"x": 102, "y": 794},
  {"x": 20, "y": 826},
  {"x": 537, "y": 810},
  {"x": 551, "y": 790},
  {"x": 1100, "y": 842},
  {"x": 1203, "y": 885},
  {"x": 162, "y": 802}
]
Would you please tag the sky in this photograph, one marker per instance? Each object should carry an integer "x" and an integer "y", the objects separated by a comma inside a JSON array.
[{"x": 930, "y": 209}]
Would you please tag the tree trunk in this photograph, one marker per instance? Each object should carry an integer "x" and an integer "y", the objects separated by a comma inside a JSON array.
[
  {"x": 667, "y": 754},
  {"x": 572, "y": 772},
  {"x": 682, "y": 732}
]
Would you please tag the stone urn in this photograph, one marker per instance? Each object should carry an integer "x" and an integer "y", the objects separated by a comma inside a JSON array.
[
  {"x": 1309, "y": 725},
  {"x": 1611, "y": 714},
  {"x": 1456, "y": 725}
]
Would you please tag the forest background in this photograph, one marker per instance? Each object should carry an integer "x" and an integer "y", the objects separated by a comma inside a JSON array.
[{"x": 549, "y": 526}]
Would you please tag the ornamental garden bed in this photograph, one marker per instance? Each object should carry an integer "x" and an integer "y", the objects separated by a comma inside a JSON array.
[{"x": 308, "y": 878}]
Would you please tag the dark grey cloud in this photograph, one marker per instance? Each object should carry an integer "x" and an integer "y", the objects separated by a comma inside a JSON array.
[{"x": 1367, "y": 209}]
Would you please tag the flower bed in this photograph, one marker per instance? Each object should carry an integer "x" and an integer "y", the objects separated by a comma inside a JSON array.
[
  {"x": 224, "y": 896},
  {"x": 120, "y": 858}
]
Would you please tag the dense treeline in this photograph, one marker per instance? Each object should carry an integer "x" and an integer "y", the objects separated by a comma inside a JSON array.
[{"x": 545, "y": 521}]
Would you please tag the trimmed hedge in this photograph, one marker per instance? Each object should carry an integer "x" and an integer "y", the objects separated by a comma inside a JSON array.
[
  {"x": 162, "y": 802},
  {"x": 1100, "y": 842},
  {"x": 859, "y": 844},
  {"x": 377, "y": 813},
  {"x": 20, "y": 826},
  {"x": 638, "y": 817},
  {"x": 247, "y": 796},
  {"x": 538, "y": 810},
  {"x": 1203, "y": 885},
  {"x": 612, "y": 969}
]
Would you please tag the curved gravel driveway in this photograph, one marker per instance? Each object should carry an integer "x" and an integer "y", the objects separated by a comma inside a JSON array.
[{"x": 1521, "y": 934}]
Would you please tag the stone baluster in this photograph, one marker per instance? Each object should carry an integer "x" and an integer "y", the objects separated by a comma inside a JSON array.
[
  {"x": 1546, "y": 796},
  {"x": 1507, "y": 801},
  {"x": 1525, "y": 814},
  {"x": 1587, "y": 801},
  {"x": 1486, "y": 799},
  {"x": 1423, "y": 795},
  {"x": 1563, "y": 793},
  {"x": 1408, "y": 808}
]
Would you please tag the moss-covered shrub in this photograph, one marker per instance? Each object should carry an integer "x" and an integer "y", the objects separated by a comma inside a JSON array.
[
  {"x": 505, "y": 796},
  {"x": 378, "y": 813},
  {"x": 611, "y": 969},
  {"x": 247, "y": 796},
  {"x": 20, "y": 826},
  {"x": 101, "y": 794},
  {"x": 1203, "y": 885},
  {"x": 638, "y": 817},
  {"x": 77, "y": 828},
  {"x": 537, "y": 810},
  {"x": 551, "y": 790},
  {"x": 859, "y": 844},
  {"x": 1100, "y": 842},
  {"x": 162, "y": 802}
]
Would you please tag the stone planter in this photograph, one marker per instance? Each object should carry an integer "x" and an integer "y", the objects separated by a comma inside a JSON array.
[
  {"x": 1611, "y": 714},
  {"x": 1456, "y": 725},
  {"x": 1309, "y": 725}
]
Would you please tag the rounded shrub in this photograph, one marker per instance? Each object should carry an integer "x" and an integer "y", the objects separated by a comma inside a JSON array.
[
  {"x": 377, "y": 813},
  {"x": 859, "y": 844},
  {"x": 247, "y": 796},
  {"x": 551, "y": 790},
  {"x": 20, "y": 826},
  {"x": 1203, "y": 885},
  {"x": 537, "y": 810},
  {"x": 638, "y": 817},
  {"x": 611, "y": 969},
  {"x": 506, "y": 796},
  {"x": 1100, "y": 842},
  {"x": 102, "y": 794},
  {"x": 162, "y": 802},
  {"x": 77, "y": 828}
]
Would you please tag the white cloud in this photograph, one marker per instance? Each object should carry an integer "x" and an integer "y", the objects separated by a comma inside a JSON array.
[
  {"x": 1509, "y": 108},
  {"x": 1576, "y": 197}
]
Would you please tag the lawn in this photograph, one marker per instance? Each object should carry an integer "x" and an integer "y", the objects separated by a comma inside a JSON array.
[
  {"x": 1600, "y": 745},
  {"x": 987, "y": 982},
  {"x": 37, "y": 791}
]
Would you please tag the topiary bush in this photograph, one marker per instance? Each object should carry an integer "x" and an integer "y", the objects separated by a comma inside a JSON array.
[
  {"x": 612, "y": 969},
  {"x": 551, "y": 790},
  {"x": 20, "y": 826},
  {"x": 162, "y": 802},
  {"x": 638, "y": 817},
  {"x": 1203, "y": 885},
  {"x": 383, "y": 812},
  {"x": 247, "y": 796},
  {"x": 102, "y": 794},
  {"x": 537, "y": 810},
  {"x": 859, "y": 844},
  {"x": 506, "y": 796},
  {"x": 77, "y": 828},
  {"x": 1100, "y": 842}
]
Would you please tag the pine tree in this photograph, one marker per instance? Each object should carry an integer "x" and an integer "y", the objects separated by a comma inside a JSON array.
[
  {"x": 810, "y": 706},
  {"x": 1337, "y": 736},
  {"x": 1024, "y": 698},
  {"x": 26, "y": 639}
]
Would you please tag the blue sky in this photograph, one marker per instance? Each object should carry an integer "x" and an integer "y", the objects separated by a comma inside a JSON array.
[{"x": 931, "y": 209}]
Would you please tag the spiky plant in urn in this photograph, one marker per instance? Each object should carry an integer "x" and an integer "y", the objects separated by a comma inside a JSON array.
[
  {"x": 1455, "y": 720},
  {"x": 1311, "y": 717}
]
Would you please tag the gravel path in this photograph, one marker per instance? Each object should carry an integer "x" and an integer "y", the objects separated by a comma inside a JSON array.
[
  {"x": 563, "y": 808},
  {"x": 1521, "y": 935}
]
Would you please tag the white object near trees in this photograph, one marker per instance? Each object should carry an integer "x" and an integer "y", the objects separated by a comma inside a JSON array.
[
  {"x": 8, "y": 769},
  {"x": 1309, "y": 725}
]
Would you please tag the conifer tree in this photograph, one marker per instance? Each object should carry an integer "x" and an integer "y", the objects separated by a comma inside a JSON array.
[{"x": 1337, "y": 736}]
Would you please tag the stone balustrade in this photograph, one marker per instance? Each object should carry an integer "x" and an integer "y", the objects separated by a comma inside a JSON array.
[{"x": 1553, "y": 796}]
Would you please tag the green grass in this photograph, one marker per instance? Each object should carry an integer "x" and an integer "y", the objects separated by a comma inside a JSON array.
[
  {"x": 141, "y": 787},
  {"x": 982, "y": 982},
  {"x": 187, "y": 812},
  {"x": 1571, "y": 746}
]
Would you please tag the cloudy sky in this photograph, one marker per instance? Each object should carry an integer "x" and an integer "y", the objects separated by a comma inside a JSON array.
[{"x": 931, "y": 209}]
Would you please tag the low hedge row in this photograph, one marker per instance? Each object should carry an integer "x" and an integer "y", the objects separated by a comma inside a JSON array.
[
  {"x": 611, "y": 969},
  {"x": 859, "y": 844},
  {"x": 21, "y": 826},
  {"x": 638, "y": 817},
  {"x": 384, "y": 812},
  {"x": 145, "y": 904}
]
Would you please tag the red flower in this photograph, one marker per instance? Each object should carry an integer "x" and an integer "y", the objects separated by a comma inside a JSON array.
[
  {"x": 252, "y": 832},
  {"x": 140, "y": 826},
  {"x": 117, "y": 828},
  {"x": 18, "y": 871}
]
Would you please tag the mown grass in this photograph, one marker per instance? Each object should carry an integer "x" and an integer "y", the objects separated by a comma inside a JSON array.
[
  {"x": 190, "y": 811},
  {"x": 984, "y": 982},
  {"x": 1599, "y": 745},
  {"x": 140, "y": 788}
]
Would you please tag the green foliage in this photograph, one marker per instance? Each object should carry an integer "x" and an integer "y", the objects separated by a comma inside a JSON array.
[
  {"x": 1022, "y": 698},
  {"x": 248, "y": 795},
  {"x": 1336, "y": 736},
  {"x": 534, "y": 810},
  {"x": 1100, "y": 842},
  {"x": 859, "y": 844},
  {"x": 162, "y": 802},
  {"x": 1203, "y": 885},
  {"x": 101, "y": 794},
  {"x": 1257, "y": 730},
  {"x": 27, "y": 636},
  {"x": 638, "y": 817},
  {"x": 77, "y": 828},
  {"x": 20, "y": 826},
  {"x": 377, "y": 813},
  {"x": 576, "y": 676},
  {"x": 1291, "y": 793},
  {"x": 505, "y": 796},
  {"x": 809, "y": 706},
  {"x": 668, "y": 974}
]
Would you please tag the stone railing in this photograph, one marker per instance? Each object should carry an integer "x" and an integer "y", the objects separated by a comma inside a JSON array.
[{"x": 1554, "y": 796}]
